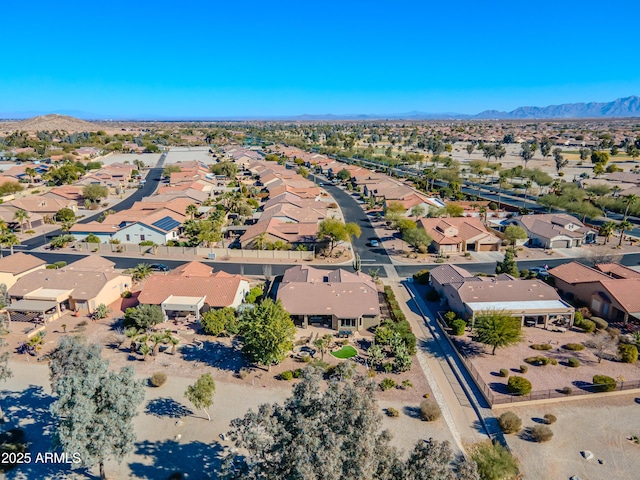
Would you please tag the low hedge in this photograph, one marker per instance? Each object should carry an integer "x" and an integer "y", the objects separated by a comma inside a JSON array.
[
  {"x": 504, "y": 372},
  {"x": 541, "y": 346},
  {"x": 540, "y": 360},
  {"x": 604, "y": 384},
  {"x": 458, "y": 327},
  {"x": 628, "y": 353},
  {"x": 573, "y": 362},
  {"x": 587, "y": 325},
  {"x": 574, "y": 347}
]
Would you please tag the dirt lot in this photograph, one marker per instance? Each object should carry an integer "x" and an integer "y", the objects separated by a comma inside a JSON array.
[
  {"x": 548, "y": 376},
  {"x": 599, "y": 425}
]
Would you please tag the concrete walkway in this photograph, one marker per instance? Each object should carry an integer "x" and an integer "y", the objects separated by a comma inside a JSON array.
[{"x": 457, "y": 408}]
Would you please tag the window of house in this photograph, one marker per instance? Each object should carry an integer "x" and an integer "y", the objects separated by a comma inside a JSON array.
[
  {"x": 605, "y": 308},
  {"x": 348, "y": 322},
  {"x": 142, "y": 238},
  {"x": 128, "y": 237}
]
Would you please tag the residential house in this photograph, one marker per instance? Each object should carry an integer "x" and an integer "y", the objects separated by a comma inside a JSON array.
[
  {"x": 338, "y": 299},
  {"x": 459, "y": 234},
  {"x": 80, "y": 286},
  {"x": 193, "y": 289},
  {"x": 45, "y": 206},
  {"x": 610, "y": 291},
  {"x": 18, "y": 265},
  {"x": 272, "y": 230},
  {"x": 554, "y": 230},
  {"x": 532, "y": 301},
  {"x": 8, "y": 212}
]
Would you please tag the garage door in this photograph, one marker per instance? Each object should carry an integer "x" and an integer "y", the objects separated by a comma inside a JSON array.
[
  {"x": 488, "y": 247},
  {"x": 560, "y": 244}
]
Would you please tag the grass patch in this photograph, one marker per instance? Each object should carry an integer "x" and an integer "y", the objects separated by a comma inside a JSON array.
[{"x": 345, "y": 352}]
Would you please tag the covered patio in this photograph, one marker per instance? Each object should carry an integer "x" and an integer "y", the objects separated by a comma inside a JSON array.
[
  {"x": 37, "y": 311},
  {"x": 177, "y": 307},
  {"x": 547, "y": 314}
]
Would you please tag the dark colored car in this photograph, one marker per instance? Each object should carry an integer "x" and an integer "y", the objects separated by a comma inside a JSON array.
[{"x": 158, "y": 267}]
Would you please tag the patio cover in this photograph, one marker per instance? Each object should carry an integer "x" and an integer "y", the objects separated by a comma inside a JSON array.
[
  {"x": 184, "y": 303},
  {"x": 49, "y": 294},
  {"x": 39, "y": 306}
]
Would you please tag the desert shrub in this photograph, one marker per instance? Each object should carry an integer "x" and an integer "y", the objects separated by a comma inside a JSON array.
[
  {"x": 243, "y": 373},
  {"x": 429, "y": 410},
  {"x": 553, "y": 361},
  {"x": 540, "y": 433},
  {"x": 158, "y": 379},
  {"x": 573, "y": 362},
  {"x": 504, "y": 372},
  {"x": 523, "y": 369},
  {"x": 628, "y": 353},
  {"x": 519, "y": 385},
  {"x": 601, "y": 324},
  {"x": 387, "y": 384},
  {"x": 495, "y": 462},
  {"x": 541, "y": 346},
  {"x": 458, "y": 327},
  {"x": 286, "y": 375},
  {"x": 604, "y": 383},
  {"x": 549, "y": 419},
  {"x": 421, "y": 277},
  {"x": 432, "y": 296},
  {"x": 578, "y": 318},
  {"x": 566, "y": 390},
  {"x": 538, "y": 361},
  {"x": 306, "y": 359},
  {"x": 126, "y": 294},
  {"x": 392, "y": 412},
  {"x": 574, "y": 347},
  {"x": 587, "y": 325},
  {"x": 406, "y": 384},
  {"x": 510, "y": 422},
  {"x": 584, "y": 312},
  {"x": 318, "y": 363},
  {"x": 297, "y": 373}
]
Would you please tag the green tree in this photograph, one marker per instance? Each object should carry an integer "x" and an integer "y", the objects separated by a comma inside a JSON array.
[
  {"x": 140, "y": 271},
  {"x": 95, "y": 407},
  {"x": 95, "y": 193},
  {"x": 343, "y": 175},
  {"x": 65, "y": 215},
  {"x": 418, "y": 211},
  {"x": 497, "y": 328},
  {"x": 335, "y": 231},
  {"x": 321, "y": 344},
  {"x": 417, "y": 238},
  {"x": 329, "y": 433},
  {"x": 267, "y": 332},
  {"x": 508, "y": 264},
  {"x": 226, "y": 168},
  {"x": 9, "y": 240},
  {"x": 376, "y": 355},
  {"x": 470, "y": 148},
  {"x": 629, "y": 201},
  {"x": 513, "y": 233},
  {"x": 220, "y": 321},
  {"x": 559, "y": 159},
  {"x": 65, "y": 175},
  {"x": 494, "y": 462},
  {"x": 61, "y": 241},
  {"x": 598, "y": 169},
  {"x": 143, "y": 317},
  {"x": 526, "y": 153},
  {"x": 169, "y": 169},
  {"x": 192, "y": 211},
  {"x": 599, "y": 157},
  {"x": 201, "y": 393},
  {"x": 31, "y": 173},
  {"x": 394, "y": 212}
]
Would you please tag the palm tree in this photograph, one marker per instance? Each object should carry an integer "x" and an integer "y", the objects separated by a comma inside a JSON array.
[
  {"x": 321, "y": 344},
  {"x": 606, "y": 230},
  {"x": 621, "y": 227},
  {"x": 629, "y": 200},
  {"x": 527, "y": 186},
  {"x": 174, "y": 341},
  {"x": 31, "y": 173},
  {"x": 192, "y": 210},
  {"x": 141, "y": 271},
  {"x": 259, "y": 242},
  {"x": 483, "y": 214},
  {"x": 502, "y": 184},
  {"x": 22, "y": 216},
  {"x": 9, "y": 240}
]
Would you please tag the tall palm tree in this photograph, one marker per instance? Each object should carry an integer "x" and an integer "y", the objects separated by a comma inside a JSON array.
[
  {"x": 606, "y": 230},
  {"x": 629, "y": 200},
  {"x": 621, "y": 227},
  {"x": 9, "y": 240},
  {"x": 259, "y": 242},
  {"x": 22, "y": 216},
  {"x": 141, "y": 271},
  {"x": 527, "y": 186},
  {"x": 31, "y": 173}
]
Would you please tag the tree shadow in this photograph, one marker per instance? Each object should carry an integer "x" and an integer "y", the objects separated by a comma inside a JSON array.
[
  {"x": 412, "y": 412},
  {"x": 193, "y": 460},
  {"x": 214, "y": 354},
  {"x": 499, "y": 387},
  {"x": 166, "y": 407},
  {"x": 586, "y": 386},
  {"x": 430, "y": 345},
  {"x": 29, "y": 410},
  {"x": 637, "y": 400},
  {"x": 469, "y": 349}
]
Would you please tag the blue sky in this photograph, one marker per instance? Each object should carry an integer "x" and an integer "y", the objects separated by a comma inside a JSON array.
[{"x": 212, "y": 58}]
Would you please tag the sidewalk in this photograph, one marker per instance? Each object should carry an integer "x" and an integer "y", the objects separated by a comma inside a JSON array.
[{"x": 457, "y": 410}]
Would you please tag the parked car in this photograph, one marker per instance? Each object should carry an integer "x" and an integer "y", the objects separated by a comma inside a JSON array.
[
  {"x": 158, "y": 267},
  {"x": 374, "y": 243},
  {"x": 541, "y": 272}
]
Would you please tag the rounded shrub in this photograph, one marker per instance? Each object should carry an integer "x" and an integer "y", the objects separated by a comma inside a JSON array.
[
  {"x": 421, "y": 277},
  {"x": 549, "y": 419},
  {"x": 392, "y": 412},
  {"x": 538, "y": 361},
  {"x": 504, "y": 372},
  {"x": 588, "y": 326},
  {"x": 458, "y": 327},
  {"x": 519, "y": 385},
  {"x": 429, "y": 410},
  {"x": 540, "y": 433},
  {"x": 387, "y": 383},
  {"x": 574, "y": 347},
  {"x": 158, "y": 379},
  {"x": 573, "y": 362},
  {"x": 628, "y": 353},
  {"x": 432, "y": 296},
  {"x": 601, "y": 323},
  {"x": 523, "y": 369},
  {"x": 566, "y": 390},
  {"x": 510, "y": 422},
  {"x": 604, "y": 383},
  {"x": 541, "y": 346},
  {"x": 286, "y": 375}
]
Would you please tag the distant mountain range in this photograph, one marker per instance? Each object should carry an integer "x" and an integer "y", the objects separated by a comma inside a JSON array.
[{"x": 620, "y": 108}]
